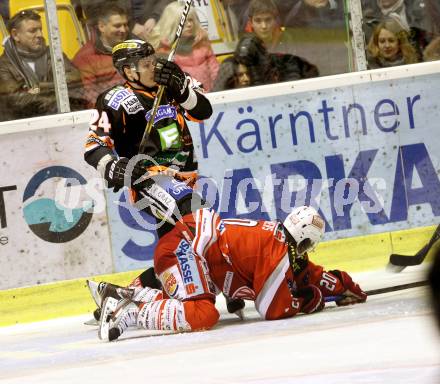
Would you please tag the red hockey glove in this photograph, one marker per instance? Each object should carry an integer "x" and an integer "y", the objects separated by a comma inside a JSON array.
[
  {"x": 340, "y": 283},
  {"x": 311, "y": 298}
]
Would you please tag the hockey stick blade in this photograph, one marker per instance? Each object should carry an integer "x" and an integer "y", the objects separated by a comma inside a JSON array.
[
  {"x": 408, "y": 261},
  {"x": 379, "y": 291}
]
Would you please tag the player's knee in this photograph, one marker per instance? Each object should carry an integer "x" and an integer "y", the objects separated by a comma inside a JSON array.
[{"x": 201, "y": 314}]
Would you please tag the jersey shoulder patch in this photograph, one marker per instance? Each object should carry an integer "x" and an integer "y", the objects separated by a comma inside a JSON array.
[{"x": 116, "y": 96}]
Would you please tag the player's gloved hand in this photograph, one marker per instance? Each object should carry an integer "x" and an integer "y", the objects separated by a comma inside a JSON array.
[
  {"x": 235, "y": 306},
  {"x": 169, "y": 74},
  {"x": 311, "y": 299},
  {"x": 115, "y": 171},
  {"x": 345, "y": 286}
]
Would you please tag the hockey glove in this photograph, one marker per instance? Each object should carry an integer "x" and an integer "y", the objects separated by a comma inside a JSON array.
[
  {"x": 311, "y": 299},
  {"x": 340, "y": 283},
  {"x": 115, "y": 171},
  {"x": 169, "y": 74}
]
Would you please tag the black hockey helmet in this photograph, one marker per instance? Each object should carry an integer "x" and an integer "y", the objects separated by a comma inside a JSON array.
[{"x": 130, "y": 52}]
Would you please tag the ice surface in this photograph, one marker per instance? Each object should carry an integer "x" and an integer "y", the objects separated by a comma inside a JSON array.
[{"x": 390, "y": 339}]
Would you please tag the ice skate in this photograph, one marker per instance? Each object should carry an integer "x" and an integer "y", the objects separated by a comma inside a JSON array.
[
  {"x": 116, "y": 317},
  {"x": 100, "y": 291}
]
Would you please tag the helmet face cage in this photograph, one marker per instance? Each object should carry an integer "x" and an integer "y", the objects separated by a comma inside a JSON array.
[
  {"x": 306, "y": 227},
  {"x": 304, "y": 246},
  {"x": 129, "y": 52}
]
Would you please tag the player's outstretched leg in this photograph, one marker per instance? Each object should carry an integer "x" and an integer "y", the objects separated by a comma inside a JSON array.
[
  {"x": 156, "y": 314},
  {"x": 136, "y": 291}
]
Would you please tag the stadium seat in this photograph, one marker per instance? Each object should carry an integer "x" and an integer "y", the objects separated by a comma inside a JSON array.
[
  {"x": 3, "y": 33},
  {"x": 71, "y": 30}
]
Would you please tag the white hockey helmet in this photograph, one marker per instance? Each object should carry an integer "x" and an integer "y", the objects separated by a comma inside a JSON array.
[{"x": 306, "y": 227}]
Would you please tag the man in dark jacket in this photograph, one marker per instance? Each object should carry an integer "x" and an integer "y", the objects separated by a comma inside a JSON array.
[{"x": 26, "y": 72}]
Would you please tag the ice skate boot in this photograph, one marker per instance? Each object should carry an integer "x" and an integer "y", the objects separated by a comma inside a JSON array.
[
  {"x": 100, "y": 291},
  {"x": 116, "y": 317}
]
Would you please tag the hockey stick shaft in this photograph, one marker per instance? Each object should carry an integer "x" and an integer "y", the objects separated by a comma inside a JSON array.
[
  {"x": 161, "y": 89},
  {"x": 379, "y": 291},
  {"x": 404, "y": 261}
]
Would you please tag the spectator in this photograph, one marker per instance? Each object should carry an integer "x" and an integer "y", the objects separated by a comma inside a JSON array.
[
  {"x": 194, "y": 53},
  {"x": 312, "y": 13},
  {"x": 264, "y": 22},
  {"x": 26, "y": 72},
  {"x": 432, "y": 51},
  {"x": 420, "y": 18},
  {"x": 315, "y": 29},
  {"x": 389, "y": 46},
  {"x": 94, "y": 59},
  {"x": 145, "y": 15},
  {"x": 232, "y": 75},
  {"x": 264, "y": 67}
]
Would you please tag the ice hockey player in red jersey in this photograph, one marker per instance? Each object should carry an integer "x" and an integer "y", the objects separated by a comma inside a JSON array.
[{"x": 263, "y": 261}]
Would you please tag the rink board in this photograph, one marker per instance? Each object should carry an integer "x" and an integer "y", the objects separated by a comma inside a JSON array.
[{"x": 264, "y": 150}]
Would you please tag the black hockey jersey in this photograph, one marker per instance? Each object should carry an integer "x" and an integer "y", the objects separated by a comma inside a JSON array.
[{"x": 119, "y": 121}]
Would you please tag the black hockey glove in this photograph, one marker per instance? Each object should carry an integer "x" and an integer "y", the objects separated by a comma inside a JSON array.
[
  {"x": 169, "y": 74},
  {"x": 235, "y": 306},
  {"x": 115, "y": 174}
]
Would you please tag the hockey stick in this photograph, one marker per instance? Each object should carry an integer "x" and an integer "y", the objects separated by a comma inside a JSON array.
[
  {"x": 379, "y": 291},
  {"x": 402, "y": 261},
  {"x": 162, "y": 87}
]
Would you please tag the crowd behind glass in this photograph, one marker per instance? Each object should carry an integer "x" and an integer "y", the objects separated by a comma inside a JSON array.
[{"x": 273, "y": 41}]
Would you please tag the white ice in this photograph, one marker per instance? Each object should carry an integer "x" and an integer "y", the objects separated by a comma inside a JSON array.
[{"x": 389, "y": 339}]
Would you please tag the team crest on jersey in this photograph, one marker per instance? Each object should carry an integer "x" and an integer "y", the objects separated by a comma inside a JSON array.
[
  {"x": 163, "y": 112},
  {"x": 188, "y": 267},
  {"x": 169, "y": 137}
]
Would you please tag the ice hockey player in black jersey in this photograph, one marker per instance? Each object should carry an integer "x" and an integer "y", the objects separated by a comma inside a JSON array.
[
  {"x": 116, "y": 130},
  {"x": 119, "y": 121}
]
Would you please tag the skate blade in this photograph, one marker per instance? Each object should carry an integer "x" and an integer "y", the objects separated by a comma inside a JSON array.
[
  {"x": 108, "y": 308},
  {"x": 93, "y": 288}
]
